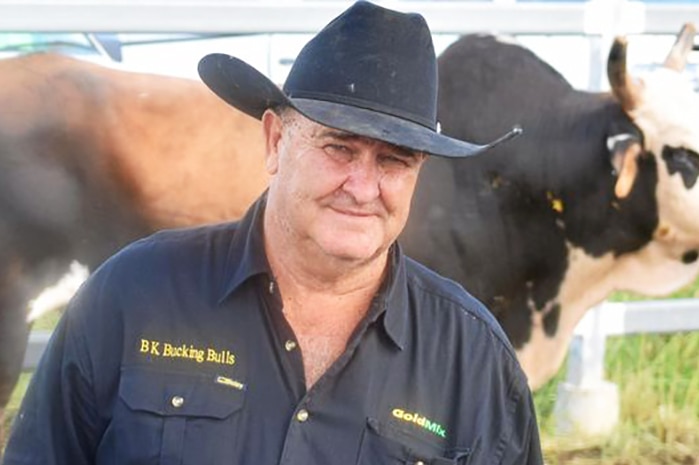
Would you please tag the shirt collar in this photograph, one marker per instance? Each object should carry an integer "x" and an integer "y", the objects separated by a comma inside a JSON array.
[
  {"x": 247, "y": 258},
  {"x": 393, "y": 297},
  {"x": 246, "y": 253}
]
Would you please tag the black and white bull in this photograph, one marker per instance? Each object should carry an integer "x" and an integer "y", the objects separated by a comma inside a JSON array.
[{"x": 598, "y": 194}]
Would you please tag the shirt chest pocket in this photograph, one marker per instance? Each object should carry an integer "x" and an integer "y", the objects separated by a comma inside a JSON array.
[
  {"x": 177, "y": 418},
  {"x": 385, "y": 444}
]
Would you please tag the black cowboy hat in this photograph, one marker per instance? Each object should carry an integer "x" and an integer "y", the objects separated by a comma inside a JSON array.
[{"x": 371, "y": 72}]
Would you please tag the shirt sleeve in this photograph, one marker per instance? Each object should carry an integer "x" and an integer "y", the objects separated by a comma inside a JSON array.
[
  {"x": 58, "y": 421},
  {"x": 524, "y": 447}
]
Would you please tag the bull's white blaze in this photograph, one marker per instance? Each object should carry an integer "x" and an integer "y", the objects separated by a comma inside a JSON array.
[{"x": 668, "y": 114}]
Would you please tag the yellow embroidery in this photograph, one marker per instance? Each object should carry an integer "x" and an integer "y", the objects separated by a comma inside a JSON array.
[
  {"x": 230, "y": 382},
  {"x": 186, "y": 352},
  {"x": 421, "y": 421}
]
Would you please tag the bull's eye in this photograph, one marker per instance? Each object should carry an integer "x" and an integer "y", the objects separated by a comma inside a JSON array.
[
  {"x": 683, "y": 161},
  {"x": 690, "y": 257}
]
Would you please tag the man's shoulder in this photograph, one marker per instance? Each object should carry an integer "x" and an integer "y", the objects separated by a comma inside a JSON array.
[
  {"x": 175, "y": 245},
  {"x": 194, "y": 238},
  {"x": 444, "y": 298},
  {"x": 448, "y": 293},
  {"x": 160, "y": 262}
]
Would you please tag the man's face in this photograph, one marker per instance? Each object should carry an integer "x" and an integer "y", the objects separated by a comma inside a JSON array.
[{"x": 344, "y": 195}]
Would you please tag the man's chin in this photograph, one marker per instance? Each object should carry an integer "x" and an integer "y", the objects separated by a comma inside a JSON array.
[
  {"x": 355, "y": 243},
  {"x": 352, "y": 252}
]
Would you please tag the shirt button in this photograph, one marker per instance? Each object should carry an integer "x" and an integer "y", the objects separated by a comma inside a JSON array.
[
  {"x": 289, "y": 345},
  {"x": 177, "y": 401},
  {"x": 302, "y": 415}
]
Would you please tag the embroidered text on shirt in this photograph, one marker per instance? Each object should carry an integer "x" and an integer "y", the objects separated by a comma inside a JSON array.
[{"x": 186, "y": 351}]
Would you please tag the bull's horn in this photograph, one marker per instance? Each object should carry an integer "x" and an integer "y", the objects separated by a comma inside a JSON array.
[
  {"x": 626, "y": 90},
  {"x": 677, "y": 58}
]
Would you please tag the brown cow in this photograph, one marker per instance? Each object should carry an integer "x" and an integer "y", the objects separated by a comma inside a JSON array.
[{"x": 92, "y": 158}]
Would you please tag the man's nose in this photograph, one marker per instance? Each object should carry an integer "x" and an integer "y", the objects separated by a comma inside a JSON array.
[{"x": 364, "y": 179}]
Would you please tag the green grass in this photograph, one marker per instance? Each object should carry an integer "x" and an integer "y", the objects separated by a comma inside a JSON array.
[
  {"x": 16, "y": 398},
  {"x": 13, "y": 406},
  {"x": 47, "y": 321},
  {"x": 658, "y": 379}
]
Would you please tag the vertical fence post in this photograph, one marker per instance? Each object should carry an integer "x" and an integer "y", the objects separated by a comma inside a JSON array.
[{"x": 586, "y": 403}]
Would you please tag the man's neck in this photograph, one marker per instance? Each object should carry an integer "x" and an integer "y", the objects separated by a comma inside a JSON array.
[
  {"x": 323, "y": 299},
  {"x": 302, "y": 267},
  {"x": 298, "y": 272}
]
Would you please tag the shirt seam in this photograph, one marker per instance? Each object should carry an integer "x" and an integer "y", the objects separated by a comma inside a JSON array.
[{"x": 504, "y": 343}]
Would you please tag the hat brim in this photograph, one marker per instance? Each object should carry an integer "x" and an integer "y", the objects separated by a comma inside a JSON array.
[{"x": 251, "y": 92}]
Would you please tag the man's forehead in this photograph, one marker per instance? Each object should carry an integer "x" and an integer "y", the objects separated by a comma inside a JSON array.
[
  {"x": 350, "y": 137},
  {"x": 320, "y": 131}
]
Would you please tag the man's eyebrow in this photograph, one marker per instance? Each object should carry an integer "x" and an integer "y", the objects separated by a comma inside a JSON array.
[{"x": 348, "y": 136}]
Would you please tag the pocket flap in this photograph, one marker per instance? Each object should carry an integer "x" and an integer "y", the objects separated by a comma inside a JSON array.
[
  {"x": 181, "y": 394},
  {"x": 385, "y": 443}
]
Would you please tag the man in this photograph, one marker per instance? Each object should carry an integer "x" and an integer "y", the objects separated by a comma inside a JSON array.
[{"x": 300, "y": 335}]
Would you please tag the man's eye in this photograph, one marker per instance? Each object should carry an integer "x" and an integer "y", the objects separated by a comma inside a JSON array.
[
  {"x": 337, "y": 149},
  {"x": 395, "y": 160}
]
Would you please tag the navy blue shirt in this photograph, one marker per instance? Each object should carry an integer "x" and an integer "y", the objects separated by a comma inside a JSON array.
[{"x": 176, "y": 352}]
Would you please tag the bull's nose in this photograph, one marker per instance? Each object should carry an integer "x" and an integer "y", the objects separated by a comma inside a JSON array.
[{"x": 690, "y": 256}]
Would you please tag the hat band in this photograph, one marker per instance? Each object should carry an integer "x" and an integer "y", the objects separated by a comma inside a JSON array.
[{"x": 367, "y": 105}]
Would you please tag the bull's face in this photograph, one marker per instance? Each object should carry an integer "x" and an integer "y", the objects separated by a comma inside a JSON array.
[
  {"x": 669, "y": 119},
  {"x": 665, "y": 108}
]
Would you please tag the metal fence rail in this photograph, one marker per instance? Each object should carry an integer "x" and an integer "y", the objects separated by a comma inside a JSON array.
[
  {"x": 35, "y": 348},
  {"x": 587, "y": 403},
  {"x": 218, "y": 16}
]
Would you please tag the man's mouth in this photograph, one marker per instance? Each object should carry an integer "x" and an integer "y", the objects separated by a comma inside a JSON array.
[{"x": 353, "y": 212}]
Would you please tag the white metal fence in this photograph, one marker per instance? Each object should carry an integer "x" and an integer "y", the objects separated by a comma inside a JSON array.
[
  {"x": 586, "y": 402},
  {"x": 287, "y": 16}
]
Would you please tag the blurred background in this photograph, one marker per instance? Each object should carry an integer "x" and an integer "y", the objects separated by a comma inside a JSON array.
[
  {"x": 170, "y": 37},
  {"x": 657, "y": 374}
]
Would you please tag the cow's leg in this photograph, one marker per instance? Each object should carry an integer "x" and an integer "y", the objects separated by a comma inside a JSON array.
[
  {"x": 14, "y": 331},
  {"x": 14, "y": 334}
]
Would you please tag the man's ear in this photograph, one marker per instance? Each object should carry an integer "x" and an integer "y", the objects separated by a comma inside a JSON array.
[{"x": 272, "y": 127}]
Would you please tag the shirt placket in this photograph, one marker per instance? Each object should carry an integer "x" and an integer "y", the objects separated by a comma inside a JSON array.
[{"x": 293, "y": 452}]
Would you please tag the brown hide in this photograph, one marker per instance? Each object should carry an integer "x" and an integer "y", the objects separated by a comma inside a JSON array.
[
  {"x": 181, "y": 154},
  {"x": 204, "y": 159}
]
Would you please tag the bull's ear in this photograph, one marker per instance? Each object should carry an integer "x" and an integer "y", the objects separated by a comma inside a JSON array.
[{"x": 624, "y": 150}]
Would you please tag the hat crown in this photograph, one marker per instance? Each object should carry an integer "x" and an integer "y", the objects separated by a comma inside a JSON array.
[
  {"x": 370, "y": 72},
  {"x": 373, "y": 58}
]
